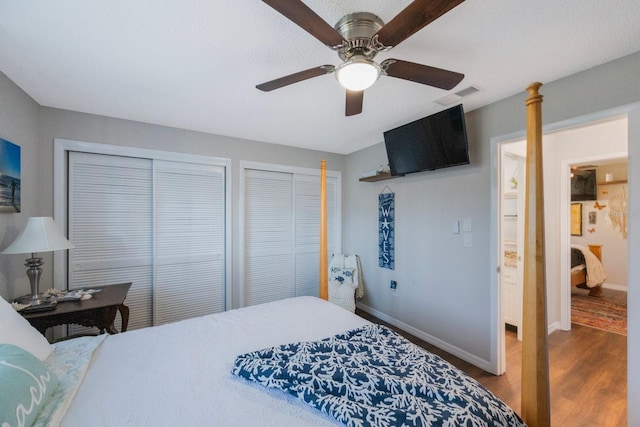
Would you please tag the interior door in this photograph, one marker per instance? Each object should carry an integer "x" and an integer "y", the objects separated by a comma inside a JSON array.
[
  {"x": 520, "y": 241},
  {"x": 111, "y": 226},
  {"x": 512, "y": 233}
]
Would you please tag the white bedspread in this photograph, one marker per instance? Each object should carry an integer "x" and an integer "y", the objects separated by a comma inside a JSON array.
[{"x": 180, "y": 374}]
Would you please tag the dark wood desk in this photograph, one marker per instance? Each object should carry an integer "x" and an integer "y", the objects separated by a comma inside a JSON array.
[{"x": 99, "y": 311}]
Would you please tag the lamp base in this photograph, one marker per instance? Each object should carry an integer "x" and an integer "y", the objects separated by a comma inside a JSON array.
[{"x": 34, "y": 272}]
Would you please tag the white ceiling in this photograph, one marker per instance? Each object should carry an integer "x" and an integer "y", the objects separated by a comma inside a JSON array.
[{"x": 194, "y": 64}]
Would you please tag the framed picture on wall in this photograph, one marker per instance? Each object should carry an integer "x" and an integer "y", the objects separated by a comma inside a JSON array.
[
  {"x": 576, "y": 219},
  {"x": 9, "y": 176}
]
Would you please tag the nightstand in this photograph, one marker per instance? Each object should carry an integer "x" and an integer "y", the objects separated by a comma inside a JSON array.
[{"x": 99, "y": 311}]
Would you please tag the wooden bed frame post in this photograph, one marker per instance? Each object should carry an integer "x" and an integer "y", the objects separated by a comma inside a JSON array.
[
  {"x": 324, "y": 267},
  {"x": 535, "y": 407}
]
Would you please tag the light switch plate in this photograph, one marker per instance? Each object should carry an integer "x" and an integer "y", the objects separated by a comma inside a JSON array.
[
  {"x": 467, "y": 239},
  {"x": 466, "y": 224}
]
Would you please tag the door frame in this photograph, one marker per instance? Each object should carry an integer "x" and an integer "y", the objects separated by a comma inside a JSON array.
[
  {"x": 288, "y": 169},
  {"x": 565, "y": 227},
  {"x": 498, "y": 350},
  {"x": 61, "y": 147}
]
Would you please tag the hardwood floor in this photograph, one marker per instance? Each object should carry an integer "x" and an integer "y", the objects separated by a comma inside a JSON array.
[{"x": 588, "y": 375}]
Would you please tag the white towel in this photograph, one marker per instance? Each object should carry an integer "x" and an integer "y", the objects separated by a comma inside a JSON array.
[{"x": 353, "y": 261}]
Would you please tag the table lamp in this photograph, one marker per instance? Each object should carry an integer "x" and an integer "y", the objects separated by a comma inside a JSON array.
[{"x": 40, "y": 235}]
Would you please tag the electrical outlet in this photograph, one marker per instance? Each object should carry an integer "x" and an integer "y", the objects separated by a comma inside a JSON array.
[{"x": 394, "y": 284}]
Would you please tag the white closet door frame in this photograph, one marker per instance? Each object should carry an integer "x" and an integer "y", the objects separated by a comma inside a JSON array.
[
  {"x": 61, "y": 147},
  {"x": 245, "y": 164}
]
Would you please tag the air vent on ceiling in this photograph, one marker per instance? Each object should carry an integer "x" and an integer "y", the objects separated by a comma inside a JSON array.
[{"x": 456, "y": 97}]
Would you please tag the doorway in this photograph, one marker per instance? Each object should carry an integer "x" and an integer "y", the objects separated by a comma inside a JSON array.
[
  {"x": 512, "y": 190},
  {"x": 562, "y": 147},
  {"x": 602, "y": 143},
  {"x": 601, "y": 228}
]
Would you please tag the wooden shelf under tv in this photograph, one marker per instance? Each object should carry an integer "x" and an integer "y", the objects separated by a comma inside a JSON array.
[
  {"x": 622, "y": 181},
  {"x": 379, "y": 177}
]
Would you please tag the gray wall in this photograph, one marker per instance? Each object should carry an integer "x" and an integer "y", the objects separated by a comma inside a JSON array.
[
  {"x": 447, "y": 292},
  {"x": 19, "y": 116}
]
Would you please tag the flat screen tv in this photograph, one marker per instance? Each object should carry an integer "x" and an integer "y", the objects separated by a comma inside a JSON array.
[
  {"x": 583, "y": 185},
  {"x": 433, "y": 142}
]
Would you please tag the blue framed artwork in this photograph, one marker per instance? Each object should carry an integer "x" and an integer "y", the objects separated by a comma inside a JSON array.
[
  {"x": 386, "y": 230},
  {"x": 9, "y": 176}
]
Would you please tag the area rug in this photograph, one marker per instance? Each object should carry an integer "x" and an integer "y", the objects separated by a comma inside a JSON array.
[{"x": 599, "y": 313}]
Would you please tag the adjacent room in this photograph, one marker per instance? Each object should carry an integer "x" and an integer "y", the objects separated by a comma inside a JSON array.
[{"x": 183, "y": 184}]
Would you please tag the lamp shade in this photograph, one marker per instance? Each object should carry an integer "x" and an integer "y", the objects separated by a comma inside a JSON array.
[
  {"x": 358, "y": 73},
  {"x": 40, "y": 235}
]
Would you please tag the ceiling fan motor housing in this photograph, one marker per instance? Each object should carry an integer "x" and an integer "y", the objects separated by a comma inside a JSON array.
[{"x": 357, "y": 30}]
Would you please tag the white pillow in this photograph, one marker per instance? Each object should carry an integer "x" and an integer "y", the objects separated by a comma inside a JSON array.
[{"x": 16, "y": 330}]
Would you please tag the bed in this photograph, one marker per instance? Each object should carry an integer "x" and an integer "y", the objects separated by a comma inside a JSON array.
[
  {"x": 181, "y": 374},
  {"x": 587, "y": 271}
]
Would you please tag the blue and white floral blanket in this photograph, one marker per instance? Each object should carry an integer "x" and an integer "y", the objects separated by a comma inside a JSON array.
[{"x": 371, "y": 376}]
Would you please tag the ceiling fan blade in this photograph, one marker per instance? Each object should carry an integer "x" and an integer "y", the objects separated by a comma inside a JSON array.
[
  {"x": 432, "y": 76},
  {"x": 308, "y": 20},
  {"x": 354, "y": 102},
  {"x": 413, "y": 18},
  {"x": 296, "y": 77}
]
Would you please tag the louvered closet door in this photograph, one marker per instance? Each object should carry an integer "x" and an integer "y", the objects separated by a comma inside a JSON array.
[
  {"x": 110, "y": 224},
  {"x": 307, "y": 230},
  {"x": 268, "y": 236},
  {"x": 189, "y": 241}
]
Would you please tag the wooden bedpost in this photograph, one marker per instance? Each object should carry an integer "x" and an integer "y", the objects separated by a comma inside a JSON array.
[
  {"x": 535, "y": 356},
  {"x": 324, "y": 267}
]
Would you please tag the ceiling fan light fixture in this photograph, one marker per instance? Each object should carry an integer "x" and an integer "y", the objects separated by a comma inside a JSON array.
[{"x": 358, "y": 73}]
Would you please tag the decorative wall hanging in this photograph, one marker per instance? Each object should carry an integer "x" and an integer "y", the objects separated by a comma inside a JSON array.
[
  {"x": 617, "y": 214},
  {"x": 592, "y": 217},
  {"x": 9, "y": 176},
  {"x": 576, "y": 219},
  {"x": 386, "y": 229}
]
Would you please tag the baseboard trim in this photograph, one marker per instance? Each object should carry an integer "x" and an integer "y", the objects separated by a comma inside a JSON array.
[
  {"x": 443, "y": 345},
  {"x": 555, "y": 326},
  {"x": 614, "y": 287}
]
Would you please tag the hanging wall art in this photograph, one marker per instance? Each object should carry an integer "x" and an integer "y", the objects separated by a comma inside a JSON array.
[
  {"x": 386, "y": 229},
  {"x": 617, "y": 215},
  {"x": 9, "y": 176}
]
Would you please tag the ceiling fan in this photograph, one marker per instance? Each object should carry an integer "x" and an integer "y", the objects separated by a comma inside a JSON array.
[{"x": 357, "y": 38}]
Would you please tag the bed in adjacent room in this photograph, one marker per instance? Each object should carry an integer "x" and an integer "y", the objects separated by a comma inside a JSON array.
[{"x": 587, "y": 271}]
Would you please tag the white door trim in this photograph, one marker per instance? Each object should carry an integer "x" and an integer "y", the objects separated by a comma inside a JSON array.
[{"x": 60, "y": 164}]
